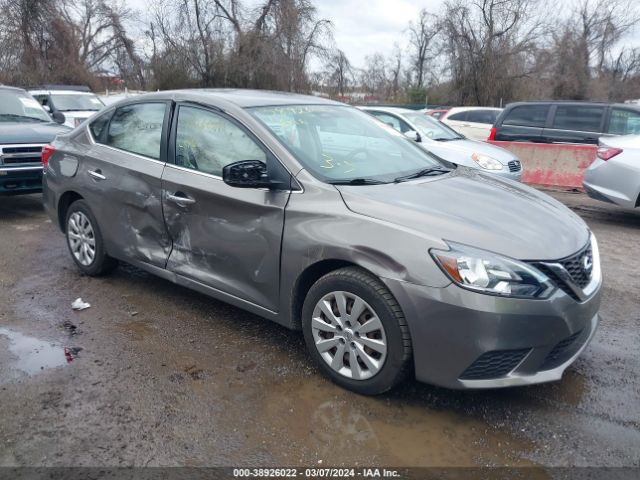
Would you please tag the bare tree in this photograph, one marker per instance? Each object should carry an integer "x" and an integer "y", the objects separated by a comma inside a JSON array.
[{"x": 421, "y": 36}]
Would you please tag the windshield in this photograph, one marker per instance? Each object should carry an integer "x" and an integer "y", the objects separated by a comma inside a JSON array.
[
  {"x": 432, "y": 128},
  {"x": 340, "y": 144},
  {"x": 70, "y": 102},
  {"x": 17, "y": 106}
]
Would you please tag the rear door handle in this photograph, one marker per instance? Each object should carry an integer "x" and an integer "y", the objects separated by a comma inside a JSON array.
[
  {"x": 97, "y": 174},
  {"x": 180, "y": 198}
]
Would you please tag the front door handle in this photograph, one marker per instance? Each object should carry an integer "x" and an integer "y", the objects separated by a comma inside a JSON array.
[
  {"x": 97, "y": 174},
  {"x": 180, "y": 198}
]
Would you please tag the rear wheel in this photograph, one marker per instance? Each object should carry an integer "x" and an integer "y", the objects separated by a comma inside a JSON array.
[
  {"x": 85, "y": 241},
  {"x": 356, "y": 332}
]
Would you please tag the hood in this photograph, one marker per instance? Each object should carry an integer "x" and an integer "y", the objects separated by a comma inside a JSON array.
[
  {"x": 460, "y": 151},
  {"x": 477, "y": 209},
  {"x": 29, "y": 132}
]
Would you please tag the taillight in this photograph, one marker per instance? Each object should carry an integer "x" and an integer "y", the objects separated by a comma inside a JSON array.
[
  {"x": 606, "y": 153},
  {"x": 492, "y": 134},
  {"x": 47, "y": 151}
]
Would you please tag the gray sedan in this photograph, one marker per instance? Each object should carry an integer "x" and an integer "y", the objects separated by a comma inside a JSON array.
[
  {"x": 443, "y": 141},
  {"x": 288, "y": 206},
  {"x": 614, "y": 176}
]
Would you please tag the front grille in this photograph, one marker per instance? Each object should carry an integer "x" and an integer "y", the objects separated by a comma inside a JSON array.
[
  {"x": 579, "y": 267},
  {"x": 514, "y": 166},
  {"x": 561, "y": 352},
  {"x": 20, "y": 155},
  {"x": 494, "y": 364}
]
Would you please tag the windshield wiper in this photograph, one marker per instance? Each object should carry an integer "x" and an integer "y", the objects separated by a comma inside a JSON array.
[
  {"x": 425, "y": 172},
  {"x": 358, "y": 181},
  {"x": 13, "y": 115}
]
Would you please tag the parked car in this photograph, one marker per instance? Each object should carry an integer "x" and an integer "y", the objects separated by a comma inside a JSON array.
[
  {"x": 615, "y": 175},
  {"x": 472, "y": 122},
  {"x": 24, "y": 128},
  {"x": 76, "y": 103},
  {"x": 565, "y": 122},
  {"x": 446, "y": 143},
  {"x": 437, "y": 113},
  {"x": 315, "y": 215}
]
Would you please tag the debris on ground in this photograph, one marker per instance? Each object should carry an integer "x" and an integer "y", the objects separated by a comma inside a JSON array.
[
  {"x": 78, "y": 304},
  {"x": 70, "y": 327},
  {"x": 70, "y": 353}
]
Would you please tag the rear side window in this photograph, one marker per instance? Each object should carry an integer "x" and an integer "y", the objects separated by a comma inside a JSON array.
[
  {"x": 583, "y": 118},
  {"x": 137, "y": 129},
  {"x": 527, "y": 116},
  {"x": 207, "y": 142},
  {"x": 482, "y": 116},
  {"x": 98, "y": 126},
  {"x": 624, "y": 122},
  {"x": 458, "y": 116}
]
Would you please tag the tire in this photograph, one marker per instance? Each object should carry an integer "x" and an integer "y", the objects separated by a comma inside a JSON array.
[
  {"x": 377, "y": 371},
  {"x": 95, "y": 264}
]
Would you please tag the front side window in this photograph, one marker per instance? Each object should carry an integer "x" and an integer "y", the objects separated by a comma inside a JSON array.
[
  {"x": 393, "y": 122},
  {"x": 527, "y": 116},
  {"x": 460, "y": 116},
  {"x": 207, "y": 142},
  {"x": 582, "y": 118},
  {"x": 340, "y": 144},
  {"x": 624, "y": 122},
  {"x": 431, "y": 128},
  {"x": 137, "y": 128}
]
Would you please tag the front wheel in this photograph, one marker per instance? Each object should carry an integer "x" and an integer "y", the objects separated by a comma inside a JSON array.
[
  {"x": 356, "y": 331},
  {"x": 84, "y": 240}
]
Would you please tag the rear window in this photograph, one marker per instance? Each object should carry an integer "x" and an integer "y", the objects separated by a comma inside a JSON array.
[
  {"x": 583, "y": 118},
  {"x": 527, "y": 116},
  {"x": 482, "y": 116},
  {"x": 624, "y": 122}
]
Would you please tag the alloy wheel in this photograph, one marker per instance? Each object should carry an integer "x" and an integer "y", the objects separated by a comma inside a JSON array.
[
  {"x": 81, "y": 237},
  {"x": 349, "y": 335}
]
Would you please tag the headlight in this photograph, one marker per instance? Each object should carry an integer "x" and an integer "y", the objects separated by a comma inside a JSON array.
[
  {"x": 486, "y": 162},
  {"x": 491, "y": 273}
]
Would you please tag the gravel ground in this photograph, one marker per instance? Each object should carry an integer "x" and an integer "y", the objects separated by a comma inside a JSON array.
[{"x": 163, "y": 376}]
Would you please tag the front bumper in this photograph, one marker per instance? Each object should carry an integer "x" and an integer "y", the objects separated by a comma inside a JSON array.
[
  {"x": 20, "y": 180},
  {"x": 462, "y": 339}
]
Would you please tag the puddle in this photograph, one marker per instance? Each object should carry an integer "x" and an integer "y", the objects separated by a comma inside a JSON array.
[{"x": 29, "y": 355}]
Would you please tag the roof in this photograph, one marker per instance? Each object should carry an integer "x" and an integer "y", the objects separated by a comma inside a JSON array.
[
  {"x": 397, "y": 110},
  {"x": 15, "y": 89},
  {"x": 38, "y": 91},
  {"x": 75, "y": 88},
  {"x": 574, "y": 102},
  {"x": 466, "y": 109},
  {"x": 240, "y": 97}
]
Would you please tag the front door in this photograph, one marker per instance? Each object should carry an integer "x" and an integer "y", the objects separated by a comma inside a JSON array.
[{"x": 223, "y": 237}]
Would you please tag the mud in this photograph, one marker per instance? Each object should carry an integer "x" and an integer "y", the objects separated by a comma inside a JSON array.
[{"x": 165, "y": 376}]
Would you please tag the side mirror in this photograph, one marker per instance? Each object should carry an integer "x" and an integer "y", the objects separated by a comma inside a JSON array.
[
  {"x": 47, "y": 108},
  {"x": 58, "y": 117},
  {"x": 413, "y": 135},
  {"x": 249, "y": 174}
]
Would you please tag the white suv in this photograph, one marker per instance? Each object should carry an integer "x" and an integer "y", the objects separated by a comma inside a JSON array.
[{"x": 76, "y": 103}]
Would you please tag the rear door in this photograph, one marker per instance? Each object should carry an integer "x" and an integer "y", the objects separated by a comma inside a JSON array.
[
  {"x": 224, "y": 237},
  {"x": 523, "y": 123},
  {"x": 575, "y": 123},
  {"x": 121, "y": 173}
]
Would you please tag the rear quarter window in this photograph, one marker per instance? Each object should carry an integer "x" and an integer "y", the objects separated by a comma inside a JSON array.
[
  {"x": 527, "y": 116},
  {"x": 98, "y": 126},
  {"x": 460, "y": 116}
]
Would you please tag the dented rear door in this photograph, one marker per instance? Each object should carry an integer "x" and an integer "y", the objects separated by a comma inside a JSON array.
[{"x": 223, "y": 237}]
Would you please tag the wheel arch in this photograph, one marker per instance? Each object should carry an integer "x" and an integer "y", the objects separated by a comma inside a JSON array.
[{"x": 66, "y": 199}]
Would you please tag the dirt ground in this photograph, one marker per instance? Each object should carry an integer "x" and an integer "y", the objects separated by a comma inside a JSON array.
[{"x": 162, "y": 376}]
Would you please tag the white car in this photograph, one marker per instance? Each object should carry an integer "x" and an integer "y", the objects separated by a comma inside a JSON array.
[
  {"x": 76, "y": 103},
  {"x": 614, "y": 176},
  {"x": 472, "y": 122},
  {"x": 445, "y": 143}
]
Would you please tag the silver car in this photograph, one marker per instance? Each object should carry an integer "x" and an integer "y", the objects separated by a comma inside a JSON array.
[
  {"x": 443, "y": 141},
  {"x": 614, "y": 176},
  {"x": 288, "y": 206}
]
